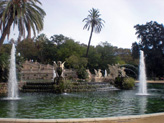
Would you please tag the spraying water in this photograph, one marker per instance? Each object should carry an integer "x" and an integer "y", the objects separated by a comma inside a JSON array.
[
  {"x": 54, "y": 74},
  {"x": 142, "y": 76},
  {"x": 12, "y": 80},
  {"x": 105, "y": 75}
]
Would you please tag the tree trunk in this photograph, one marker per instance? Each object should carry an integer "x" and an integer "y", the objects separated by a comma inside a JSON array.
[
  {"x": 29, "y": 31},
  {"x": 6, "y": 31},
  {"x": 19, "y": 38},
  {"x": 89, "y": 42}
]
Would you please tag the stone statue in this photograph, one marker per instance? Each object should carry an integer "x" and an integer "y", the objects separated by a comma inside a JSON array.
[
  {"x": 122, "y": 72},
  {"x": 59, "y": 68},
  {"x": 98, "y": 73},
  {"x": 89, "y": 74},
  {"x": 116, "y": 70},
  {"x": 113, "y": 71}
]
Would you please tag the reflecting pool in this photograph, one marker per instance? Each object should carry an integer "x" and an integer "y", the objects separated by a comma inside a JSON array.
[{"x": 84, "y": 104}]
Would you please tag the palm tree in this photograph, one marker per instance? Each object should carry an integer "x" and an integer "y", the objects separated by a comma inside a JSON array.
[
  {"x": 26, "y": 14},
  {"x": 94, "y": 22}
]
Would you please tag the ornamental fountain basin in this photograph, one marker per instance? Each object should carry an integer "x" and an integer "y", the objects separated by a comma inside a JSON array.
[{"x": 84, "y": 104}]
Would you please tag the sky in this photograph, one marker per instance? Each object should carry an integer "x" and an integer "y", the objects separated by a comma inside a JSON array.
[{"x": 120, "y": 16}]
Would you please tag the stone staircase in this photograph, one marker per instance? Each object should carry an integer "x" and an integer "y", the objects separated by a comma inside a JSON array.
[
  {"x": 90, "y": 86},
  {"x": 38, "y": 87}
]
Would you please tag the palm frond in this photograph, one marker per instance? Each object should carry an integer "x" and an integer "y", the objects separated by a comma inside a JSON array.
[
  {"x": 23, "y": 12},
  {"x": 94, "y": 21}
]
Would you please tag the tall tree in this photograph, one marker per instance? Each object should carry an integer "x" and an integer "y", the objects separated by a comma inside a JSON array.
[
  {"x": 135, "y": 50},
  {"x": 151, "y": 37},
  {"x": 26, "y": 14},
  {"x": 94, "y": 22},
  {"x": 58, "y": 39}
]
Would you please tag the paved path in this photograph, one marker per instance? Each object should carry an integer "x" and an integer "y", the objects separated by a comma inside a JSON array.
[
  {"x": 150, "y": 81},
  {"x": 147, "y": 118}
]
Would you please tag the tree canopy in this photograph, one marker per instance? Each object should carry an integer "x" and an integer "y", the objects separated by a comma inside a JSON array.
[{"x": 151, "y": 37}]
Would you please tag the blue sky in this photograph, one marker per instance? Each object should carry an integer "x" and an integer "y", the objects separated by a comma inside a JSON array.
[{"x": 65, "y": 17}]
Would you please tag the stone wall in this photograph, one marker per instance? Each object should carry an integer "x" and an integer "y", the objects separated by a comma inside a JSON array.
[
  {"x": 34, "y": 71},
  {"x": 3, "y": 88}
]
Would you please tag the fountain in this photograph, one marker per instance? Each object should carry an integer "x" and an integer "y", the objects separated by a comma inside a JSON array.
[
  {"x": 142, "y": 76},
  {"x": 91, "y": 104},
  {"x": 54, "y": 74},
  {"x": 12, "y": 80},
  {"x": 105, "y": 75}
]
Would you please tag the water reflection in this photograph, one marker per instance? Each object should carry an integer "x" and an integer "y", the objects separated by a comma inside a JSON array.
[
  {"x": 142, "y": 104},
  {"x": 12, "y": 109}
]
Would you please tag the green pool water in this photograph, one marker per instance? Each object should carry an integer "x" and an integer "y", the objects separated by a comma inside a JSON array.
[{"x": 84, "y": 104}]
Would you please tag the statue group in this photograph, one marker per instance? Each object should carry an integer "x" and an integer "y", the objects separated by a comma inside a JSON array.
[{"x": 113, "y": 72}]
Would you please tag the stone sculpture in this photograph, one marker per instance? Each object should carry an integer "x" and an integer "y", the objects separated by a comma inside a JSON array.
[
  {"x": 115, "y": 71},
  {"x": 96, "y": 73},
  {"x": 89, "y": 74},
  {"x": 59, "y": 68},
  {"x": 99, "y": 73}
]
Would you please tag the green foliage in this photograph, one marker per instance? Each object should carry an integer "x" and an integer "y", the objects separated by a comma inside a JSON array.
[
  {"x": 73, "y": 62},
  {"x": 118, "y": 82},
  {"x": 4, "y": 63},
  {"x": 69, "y": 48},
  {"x": 128, "y": 83},
  {"x": 82, "y": 73},
  {"x": 61, "y": 48},
  {"x": 135, "y": 50},
  {"x": 19, "y": 63},
  {"x": 119, "y": 60},
  {"x": 94, "y": 59},
  {"x": 76, "y": 62},
  {"x": 107, "y": 56},
  {"x": 124, "y": 83},
  {"x": 67, "y": 84},
  {"x": 58, "y": 39},
  {"x": 63, "y": 86},
  {"x": 151, "y": 37},
  {"x": 124, "y": 55},
  {"x": 27, "y": 15},
  {"x": 29, "y": 46}
]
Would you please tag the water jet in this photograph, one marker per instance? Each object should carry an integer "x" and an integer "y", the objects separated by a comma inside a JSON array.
[
  {"x": 142, "y": 76},
  {"x": 12, "y": 80}
]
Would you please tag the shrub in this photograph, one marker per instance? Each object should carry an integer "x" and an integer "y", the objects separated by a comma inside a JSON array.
[
  {"x": 128, "y": 83},
  {"x": 82, "y": 73},
  {"x": 63, "y": 86},
  {"x": 124, "y": 83},
  {"x": 118, "y": 82}
]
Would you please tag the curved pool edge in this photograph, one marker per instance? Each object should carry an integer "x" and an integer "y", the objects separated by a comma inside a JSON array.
[{"x": 128, "y": 119}]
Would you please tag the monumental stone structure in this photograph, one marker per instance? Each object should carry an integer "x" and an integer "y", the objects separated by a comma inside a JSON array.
[{"x": 34, "y": 71}]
